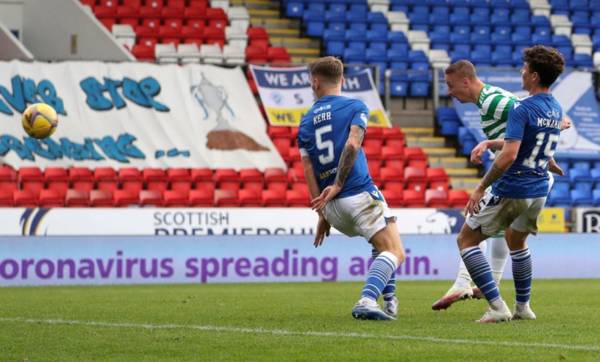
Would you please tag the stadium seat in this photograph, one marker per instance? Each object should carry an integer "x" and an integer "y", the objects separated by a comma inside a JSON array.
[
  {"x": 101, "y": 198},
  {"x": 415, "y": 178},
  {"x": 130, "y": 179},
  {"x": 413, "y": 198},
  {"x": 204, "y": 197},
  {"x": 6, "y": 198},
  {"x": 175, "y": 198},
  {"x": 250, "y": 198},
  {"x": 226, "y": 198},
  {"x": 154, "y": 179},
  {"x": 457, "y": 198},
  {"x": 106, "y": 179},
  {"x": 56, "y": 179},
  {"x": 128, "y": 197},
  {"x": 201, "y": 174},
  {"x": 273, "y": 198},
  {"x": 436, "y": 198},
  {"x": 77, "y": 198},
  {"x": 596, "y": 197},
  {"x": 151, "y": 198},
  {"x": 275, "y": 175},
  {"x": 391, "y": 175},
  {"x": 297, "y": 198},
  {"x": 581, "y": 198},
  {"x": 51, "y": 198},
  {"x": 179, "y": 179},
  {"x": 393, "y": 198},
  {"x": 31, "y": 179}
]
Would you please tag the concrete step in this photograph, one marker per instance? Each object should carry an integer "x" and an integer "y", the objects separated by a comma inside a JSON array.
[
  {"x": 462, "y": 172},
  {"x": 468, "y": 183},
  {"x": 295, "y": 42},
  {"x": 303, "y": 60},
  {"x": 256, "y": 4},
  {"x": 418, "y": 131},
  {"x": 276, "y": 32},
  {"x": 448, "y": 162},
  {"x": 304, "y": 52},
  {"x": 272, "y": 23},
  {"x": 440, "y": 151},
  {"x": 264, "y": 13},
  {"x": 426, "y": 141}
]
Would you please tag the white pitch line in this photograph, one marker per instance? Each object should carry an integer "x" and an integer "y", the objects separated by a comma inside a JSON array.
[{"x": 284, "y": 332}]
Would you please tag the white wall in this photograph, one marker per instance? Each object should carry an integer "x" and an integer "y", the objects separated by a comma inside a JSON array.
[
  {"x": 64, "y": 30},
  {"x": 10, "y": 47},
  {"x": 11, "y": 14}
]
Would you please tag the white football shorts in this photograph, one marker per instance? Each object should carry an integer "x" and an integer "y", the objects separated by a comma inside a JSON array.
[
  {"x": 358, "y": 215},
  {"x": 498, "y": 213}
]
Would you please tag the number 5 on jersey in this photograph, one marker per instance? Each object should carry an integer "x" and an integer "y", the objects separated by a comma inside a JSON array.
[{"x": 324, "y": 145}]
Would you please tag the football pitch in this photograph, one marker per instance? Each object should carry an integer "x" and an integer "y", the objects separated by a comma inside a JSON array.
[{"x": 299, "y": 321}]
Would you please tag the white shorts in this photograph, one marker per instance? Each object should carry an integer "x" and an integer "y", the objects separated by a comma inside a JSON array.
[
  {"x": 498, "y": 213},
  {"x": 359, "y": 214}
]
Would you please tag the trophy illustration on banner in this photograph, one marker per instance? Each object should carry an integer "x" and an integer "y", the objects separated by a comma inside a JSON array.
[{"x": 223, "y": 136}]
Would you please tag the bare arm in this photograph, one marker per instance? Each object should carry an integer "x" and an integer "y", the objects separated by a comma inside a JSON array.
[
  {"x": 309, "y": 175},
  {"x": 505, "y": 159},
  {"x": 349, "y": 154}
]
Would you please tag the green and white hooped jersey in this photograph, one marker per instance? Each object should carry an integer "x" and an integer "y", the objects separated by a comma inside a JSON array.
[{"x": 494, "y": 104}]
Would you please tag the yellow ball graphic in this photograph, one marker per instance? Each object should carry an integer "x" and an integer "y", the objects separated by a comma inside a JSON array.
[{"x": 39, "y": 120}]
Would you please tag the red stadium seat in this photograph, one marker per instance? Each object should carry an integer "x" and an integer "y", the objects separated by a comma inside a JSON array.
[
  {"x": 101, "y": 198},
  {"x": 127, "y": 11},
  {"x": 25, "y": 198},
  {"x": 189, "y": 32},
  {"x": 256, "y": 55},
  {"x": 214, "y": 35},
  {"x": 436, "y": 198},
  {"x": 392, "y": 153},
  {"x": 90, "y": 3},
  {"x": 391, "y": 175},
  {"x": 52, "y": 198},
  {"x": 105, "y": 12},
  {"x": 277, "y": 131},
  {"x": 7, "y": 174},
  {"x": 394, "y": 164},
  {"x": 230, "y": 185},
  {"x": 273, "y": 174},
  {"x": 108, "y": 23},
  {"x": 195, "y": 12},
  {"x": 179, "y": 179},
  {"x": 374, "y": 133},
  {"x": 106, "y": 179},
  {"x": 205, "y": 185},
  {"x": 81, "y": 178},
  {"x": 175, "y": 198},
  {"x": 278, "y": 55},
  {"x": 172, "y": 11},
  {"x": 295, "y": 176},
  {"x": 437, "y": 178},
  {"x": 273, "y": 198},
  {"x": 77, "y": 198},
  {"x": 31, "y": 179},
  {"x": 143, "y": 52},
  {"x": 251, "y": 175},
  {"x": 372, "y": 149},
  {"x": 155, "y": 179},
  {"x": 203, "y": 197},
  {"x": 201, "y": 174},
  {"x": 250, "y": 198},
  {"x": 283, "y": 146},
  {"x": 294, "y": 155},
  {"x": 108, "y": 3},
  {"x": 395, "y": 143},
  {"x": 458, "y": 198},
  {"x": 393, "y": 198},
  {"x": 132, "y": 3},
  {"x": 226, "y": 198},
  {"x": 253, "y": 185},
  {"x": 375, "y": 171},
  {"x": 130, "y": 179},
  {"x": 57, "y": 179},
  {"x": 279, "y": 186},
  {"x": 216, "y": 17},
  {"x": 166, "y": 31},
  {"x": 296, "y": 198},
  {"x": 414, "y": 198},
  {"x": 257, "y": 33},
  {"x": 415, "y": 178},
  {"x": 126, "y": 198},
  {"x": 415, "y": 154},
  {"x": 226, "y": 174},
  {"x": 151, "y": 198},
  {"x": 152, "y": 9},
  {"x": 6, "y": 197}
]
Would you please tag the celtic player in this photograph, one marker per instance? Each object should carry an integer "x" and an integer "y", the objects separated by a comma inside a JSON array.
[{"x": 494, "y": 105}]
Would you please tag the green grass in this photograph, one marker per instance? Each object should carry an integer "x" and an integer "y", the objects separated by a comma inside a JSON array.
[{"x": 567, "y": 316}]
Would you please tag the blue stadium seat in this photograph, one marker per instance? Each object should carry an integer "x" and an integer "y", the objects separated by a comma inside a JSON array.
[
  {"x": 540, "y": 21},
  {"x": 399, "y": 89},
  {"x": 315, "y": 28},
  {"x": 376, "y": 18},
  {"x": 578, "y": 5},
  {"x": 448, "y": 121},
  {"x": 358, "y": 26},
  {"x": 581, "y": 198},
  {"x": 311, "y": 15},
  {"x": 337, "y": 35},
  {"x": 501, "y": 35},
  {"x": 316, "y": 7},
  {"x": 583, "y": 60},
  {"x": 439, "y": 19},
  {"x": 561, "y": 40},
  {"x": 419, "y": 72},
  {"x": 417, "y": 56},
  {"x": 559, "y": 5},
  {"x": 418, "y": 18},
  {"x": 440, "y": 37},
  {"x": 335, "y": 48},
  {"x": 419, "y": 89},
  {"x": 338, "y": 8},
  {"x": 480, "y": 16},
  {"x": 376, "y": 56},
  {"x": 397, "y": 56},
  {"x": 353, "y": 35},
  {"x": 577, "y": 175},
  {"x": 502, "y": 58},
  {"x": 595, "y": 173},
  {"x": 382, "y": 47},
  {"x": 481, "y": 58},
  {"x": 397, "y": 37},
  {"x": 481, "y": 35},
  {"x": 377, "y": 37},
  {"x": 359, "y": 8},
  {"x": 357, "y": 45},
  {"x": 382, "y": 27},
  {"x": 336, "y": 26},
  {"x": 583, "y": 186},
  {"x": 559, "y": 197},
  {"x": 334, "y": 16},
  {"x": 501, "y": 17},
  {"x": 294, "y": 9},
  {"x": 521, "y": 17},
  {"x": 354, "y": 56},
  {"x": 581, "y": 165},
  {"x": 497, "y": 4}
]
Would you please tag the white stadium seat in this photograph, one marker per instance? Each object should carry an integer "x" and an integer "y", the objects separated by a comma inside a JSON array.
[
  {"x": 234, "y": 55},
  {"x": 165, "y": 53},
  {"x": 188, "y": 53},
  {"x": 211, "y": 54}
]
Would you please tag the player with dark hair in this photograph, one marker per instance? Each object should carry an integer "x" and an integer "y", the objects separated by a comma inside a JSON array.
[
  {"x": 330, "y": 138},
  {"x": 519, "y": 180}
]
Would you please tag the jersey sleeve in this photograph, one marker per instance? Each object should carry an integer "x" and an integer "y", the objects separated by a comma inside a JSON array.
[
  {"x": 302, "y": 141},
  {"x": 517, "y": 119},
  {"x": 361, "y": 116}
]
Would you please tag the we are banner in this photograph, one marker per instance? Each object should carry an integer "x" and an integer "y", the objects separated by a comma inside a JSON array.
[
  {"x": 134, "y": 115},
  {"x": 286, "y": 94}
]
